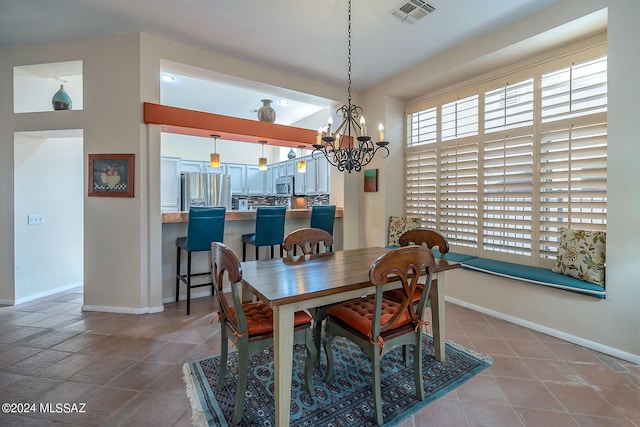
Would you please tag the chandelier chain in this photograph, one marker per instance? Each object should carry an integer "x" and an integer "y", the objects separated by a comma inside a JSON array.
[{"x": 349, "y": 54}]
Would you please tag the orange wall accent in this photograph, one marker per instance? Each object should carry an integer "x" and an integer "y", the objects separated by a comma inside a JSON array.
[{"x": 198, "y": 123}]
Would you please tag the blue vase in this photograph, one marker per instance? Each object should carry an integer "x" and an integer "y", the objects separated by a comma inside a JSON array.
[
  {"x": 292, "y": 154},
  {"x": 61, "y": 100}
]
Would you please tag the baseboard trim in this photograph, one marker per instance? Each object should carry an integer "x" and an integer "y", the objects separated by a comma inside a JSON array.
[
  {"x": 611, "y": 351},
  {"x": 42, "y": 294},
  {"x": 123, "y": 310}
]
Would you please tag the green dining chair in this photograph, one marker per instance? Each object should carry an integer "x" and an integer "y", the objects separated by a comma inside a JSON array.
[
  {"x": 378, "y": 325},
  {"x": 249, "y": 325},
  {"x": 308, "y": 241},
  {"x": 206, "y": 225},
  {"x": 269, "y": 230},
  {"x": 419, "y": 236}
]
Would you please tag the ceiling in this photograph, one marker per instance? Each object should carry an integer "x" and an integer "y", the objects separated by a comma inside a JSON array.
[{"x": 301, "y": 37}]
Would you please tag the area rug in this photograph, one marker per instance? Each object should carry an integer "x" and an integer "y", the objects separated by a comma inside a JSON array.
[{"x": 346, "y": 400}]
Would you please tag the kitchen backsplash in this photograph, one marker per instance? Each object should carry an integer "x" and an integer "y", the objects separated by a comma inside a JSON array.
[{"x": 255, "y": 201}]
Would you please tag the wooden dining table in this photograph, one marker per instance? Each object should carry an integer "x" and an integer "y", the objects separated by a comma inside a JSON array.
[{"x": 302, "y": 282}]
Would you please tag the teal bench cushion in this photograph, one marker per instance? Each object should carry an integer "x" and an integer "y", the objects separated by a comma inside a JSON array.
[
  {"x": 527, "y": 273},
  {"x": 538, "y": 275},
  {"x": 452, "y": 256},
  {"x": 449, "y": 256}
]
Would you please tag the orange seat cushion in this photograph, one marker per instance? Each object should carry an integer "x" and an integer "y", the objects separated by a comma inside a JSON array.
[
  {"x": 357, "y": 313},
  {"x": 397, "y": 295},
  {"x": 260, "y": 318}
]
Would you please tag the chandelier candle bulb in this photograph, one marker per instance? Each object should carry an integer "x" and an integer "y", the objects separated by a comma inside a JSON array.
[
  {"x": 363, "y": 128},
  {"x": 319, "y": 136},
  {"x": 329, "y": 123},
  {"x": 381, "y": 130}
]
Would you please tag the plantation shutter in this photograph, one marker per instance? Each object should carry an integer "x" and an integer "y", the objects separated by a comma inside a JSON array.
[
  {"x": 459, "y": 192},
  {"x": 508, "y": 102},
  {"x": 421, "y": 189},
  {"x": 422, "y": 127},
  {"x": 500, "y": 177},
  {"x": 573, "y": 179},
  {"x": 508, "y": 193},
  {"x": 574, "y": 86},
  {"x": 421, "y": 166}
]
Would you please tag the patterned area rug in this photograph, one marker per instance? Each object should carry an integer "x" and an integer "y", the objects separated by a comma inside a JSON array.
[{"x": 347, "y": 400}]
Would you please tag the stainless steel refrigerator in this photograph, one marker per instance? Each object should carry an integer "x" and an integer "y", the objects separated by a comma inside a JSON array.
[{"x": 205, "y": 189}]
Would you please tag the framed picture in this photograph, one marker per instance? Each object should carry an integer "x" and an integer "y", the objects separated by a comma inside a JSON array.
[
  {"x": 111, "y": 175},
  {"x": 370, "y": 180}
]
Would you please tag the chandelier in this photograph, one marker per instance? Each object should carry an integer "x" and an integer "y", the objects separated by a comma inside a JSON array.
[{"x": 349, "y": 148}]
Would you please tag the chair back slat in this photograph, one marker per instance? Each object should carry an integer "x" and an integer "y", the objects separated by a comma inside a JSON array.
[
  {"x": 206, "y": 225},
  {"x": 307, "y": 239},
  {"x": 431, "y": 238}
]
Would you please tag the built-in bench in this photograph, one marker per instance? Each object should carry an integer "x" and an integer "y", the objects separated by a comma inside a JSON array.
[{"x": 527, "y": 273}]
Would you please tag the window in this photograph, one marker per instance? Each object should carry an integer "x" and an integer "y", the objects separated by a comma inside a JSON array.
[{"x": 499, "y": 167}]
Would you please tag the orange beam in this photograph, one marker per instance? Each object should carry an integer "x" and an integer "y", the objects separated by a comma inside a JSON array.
[{"x": 198, "y": 123}]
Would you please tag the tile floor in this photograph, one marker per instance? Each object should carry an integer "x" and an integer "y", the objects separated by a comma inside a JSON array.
[{"x": 127, "y": 369}]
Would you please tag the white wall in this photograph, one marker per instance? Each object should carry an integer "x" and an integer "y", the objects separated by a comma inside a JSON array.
[
  {"x": 116, "y": 239},
  {"x": 48, "y": 173}
]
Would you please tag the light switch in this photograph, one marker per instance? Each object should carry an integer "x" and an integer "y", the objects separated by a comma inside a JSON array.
[{"x": 36, "y": 219}]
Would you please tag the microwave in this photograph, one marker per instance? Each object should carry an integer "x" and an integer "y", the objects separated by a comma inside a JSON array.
[{"x": 284, "y": 186}]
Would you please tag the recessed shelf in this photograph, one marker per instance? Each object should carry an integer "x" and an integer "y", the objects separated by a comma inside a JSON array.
[{"x": 34, "y": 85}]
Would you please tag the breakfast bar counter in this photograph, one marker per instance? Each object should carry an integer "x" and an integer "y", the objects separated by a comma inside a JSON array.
[
  {"x": 250, "y": 215},
  {"x": 237, "y": 223}
]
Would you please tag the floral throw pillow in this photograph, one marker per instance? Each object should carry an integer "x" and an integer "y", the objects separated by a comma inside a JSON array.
[
  {"x": 398, "y": 225},
  {"x": 582, "y": 254}
]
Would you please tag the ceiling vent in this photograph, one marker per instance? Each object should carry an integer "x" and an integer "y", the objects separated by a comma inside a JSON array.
[{"x": 412, "y": 11}]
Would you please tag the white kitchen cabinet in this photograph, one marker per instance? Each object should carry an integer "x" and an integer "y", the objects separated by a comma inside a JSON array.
[
  {"x": 269, "y": 182},
  {"x": 208, "y": 169},
  {"x": 299, "y": 183},
  {"x": 238, "y": 178},
  {"x": 304, "y": 181},
  {"x": 255, "y": 181},
  {"x": 323, "y": 183},
  {"x": 291, "y": 167},
  {"x": 282, "y": 169},
  {"x": 170, "y": 184},
  {"x": 187, "y": 166},
  {"x": 311, "y": 177}
]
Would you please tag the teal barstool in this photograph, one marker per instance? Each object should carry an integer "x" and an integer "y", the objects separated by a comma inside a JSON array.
[
  {"x": 322, "y": 217},
  {"x": 206, "y": 225},
  {"x": 269, "y": 230}
]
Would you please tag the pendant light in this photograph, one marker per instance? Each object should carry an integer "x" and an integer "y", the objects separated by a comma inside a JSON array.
[
  {"x": 262, "y": 161},
  {"x": 302, "y": 163},
  {"x": 214, "y": 158}
]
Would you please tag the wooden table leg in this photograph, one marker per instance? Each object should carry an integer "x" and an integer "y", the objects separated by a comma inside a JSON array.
[
  {"x": 436, "y": 296},
  {"x": 283, "y": 360}
]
